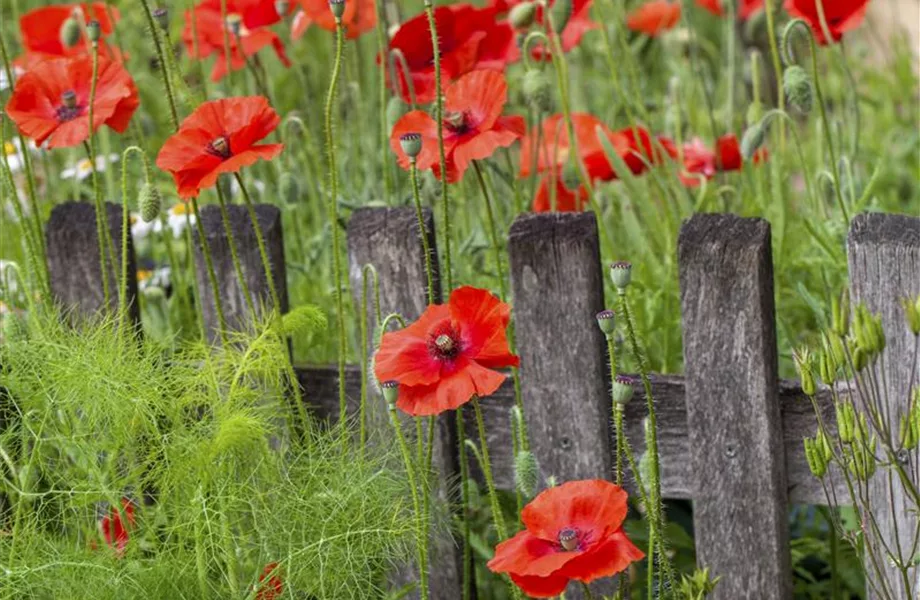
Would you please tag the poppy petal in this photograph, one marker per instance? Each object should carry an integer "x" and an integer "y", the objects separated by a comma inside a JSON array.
[
  {"x": 594, "y": 505},
  {"x": 526, "y": 554},
  {"x": 607, "y": 558}
]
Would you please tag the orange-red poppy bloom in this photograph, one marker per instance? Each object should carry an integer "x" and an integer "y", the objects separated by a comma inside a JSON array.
[
  {"x": 565, "y": 199},
  {"x": 115, "y": 529},
  {"x": 41, "y": 27},
  {"x": 51, "y": 101},
  {"x": 746, "y": 8},
  {"x": 360, "y": 17},
  {"x": 469, "y": 38},
  {"x": 473, "y": 126},
  {"x": 572, "y": 532},
  {"x": 449, "y": 354},
  {"x": 219, "y": 137},
  {"x": 270, "y": 585},
  {"x": 701, "y": 161},
  {"x": 578, "y": 25},
  {"x": 653, "y": 18},
  {"x": 244, "y": 30},
  {"x": 840, "y": 16}
]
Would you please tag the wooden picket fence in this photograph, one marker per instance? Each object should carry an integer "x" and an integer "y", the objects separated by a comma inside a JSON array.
[{"x": 730, "y": 430}]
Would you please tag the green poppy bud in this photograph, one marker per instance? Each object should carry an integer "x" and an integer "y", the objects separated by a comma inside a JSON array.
[
  {"x": 752, "y": 140},
  {"x": 606, "y": 320},
  {"x": 538, "y": 90},
  {"x": 289, "y": 188},
  {"x": 621, "y": 274},
  {"x": 623, "y": 389},
  {"x": 561, "y": 11},
  {"x": 523, "y": 15},
  {"x": 338, "y": 9},
  {"x": 526, "y": 473},
  {"x": 282, "y": 7},
  {"x": 93, "y": 31},
  {"x": 799, "y": 89},
  {"x": 149, "y": 202},
  {"x": 70, "y": 32},
  {"x": 411, "y": 144}
]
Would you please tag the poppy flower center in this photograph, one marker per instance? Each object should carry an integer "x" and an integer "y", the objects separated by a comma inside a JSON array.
[
  {"x": 220, "y": 147},
  {"x": 457, "y": 122},
  {"x": 234, "y": 24},
  {"x": 68, "y": 110},
  {"x": 443, "y": 344},
  {"x": 568, "y": 539}
]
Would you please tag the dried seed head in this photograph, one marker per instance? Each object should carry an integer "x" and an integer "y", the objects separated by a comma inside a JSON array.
[
  {"x": 623, "y": 389},
  {"x": 606, "y": 320}
]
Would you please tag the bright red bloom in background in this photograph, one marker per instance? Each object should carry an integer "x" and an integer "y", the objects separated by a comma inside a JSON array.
[
  {"x": 566, "y": 200},
  {"x": 448, "y": 355},
  {"x": 573, "y": 531},
  {"x": 468, "y": 37},
  {"x": 841, "y": 16},
  {"x": 251, "y": 17},
  {"x": 114, "y": 529},
  {"x": 699, "y": 160},
  {"x": 51, "y": 100},
  {"x": 473, "y": 125},
  {"x": 745, "y": 9},
  {"x": 360, "y": 17},
  {"x": 270, "y": 585},
  {"x": 41, "y": 28},
  {"x": 219, "y": 137},
  {"x": 579, "y": 23},
  {"x": 654, "y": 17}
]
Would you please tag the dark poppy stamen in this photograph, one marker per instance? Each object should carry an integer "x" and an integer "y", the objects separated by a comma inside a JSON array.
[
  {"x": 220, "y": 147},
  {"x": 444, "y": 344},
  {"x": 456, "y": 122},
  {"x": 68, "y": 110},
  {"x": 568, "y": 539}
]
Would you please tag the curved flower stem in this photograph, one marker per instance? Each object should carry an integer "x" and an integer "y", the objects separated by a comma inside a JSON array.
[
  {"x": 215, "y": 287},
  {"x": 442, "y": 156},
  {"x": 621, "y": 439},
  {"x": 334, "y": 213},
  {"x": 382, "y": 100},
  {"x": 422, "y": 229},
  {"x": 493, "y": 230},
  {"x": 777, "y": 68},
  {"x": 102, "y": 229},
  {"x": 125, "y": 231},
  {"x": 164, "y": 62}
]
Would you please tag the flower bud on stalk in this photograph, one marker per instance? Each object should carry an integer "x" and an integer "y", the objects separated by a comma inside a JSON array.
[
  {"x": 289, "y": 188},
  {"x": 816, "y": 463},
  {"x": 752, "y": 140},
  {"x": 621, "y": 274},
  {"x": 912, "y": 312},
  {"x": 93, "y": 31},
  {"x": 799, "y": 88},
  {"x": 523, "y": 15},
  {"x": 526, "y": 473},
  {"x": 606, "y": 321},
  {"x": 537, "y": 89},
  {"x": 411, "y": 144},
  {"x": 70, "y": 32},
  {"x": 805, "y": 365},
  {"x": 623, "y": 390},
  {"x": 338, "y": 8},
  {"x": 840, "y": 314},
  {"x": 149, "y": 202},
  {"x": 396, "y": 108},
  {"x": 390, "y": 392},
  {"x": 846, "y": 420}
]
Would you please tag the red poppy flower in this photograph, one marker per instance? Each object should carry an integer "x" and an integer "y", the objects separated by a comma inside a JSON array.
[
  {"x": 114, "y": 529},
  {"x": 746, "y": 8},
  {"x": 41, "y": 28},
  {"x": 245, "y": 28},
  {"x": 360, "y": 17},
  {"x": 654, "y": 17},
  {"x": 573, "y": 531},
  {"x": 699, "y": 160},
  {"x": 579, "y": 23},
  {"x": 448, "y": 355},
  {"x": 467, "y": 39},
  {"x": 219, "y": 137},
  {"x": 51, "y": 101},
  {"x": 473, "y": 125},
  {"x": 566, "y": 200},
  {"x": 270, "y": 585},
  {"x": 840, "y": 15}
]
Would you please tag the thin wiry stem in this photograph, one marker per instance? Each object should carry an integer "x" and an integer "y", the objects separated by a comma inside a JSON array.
[{"x": 422, "y": 229}]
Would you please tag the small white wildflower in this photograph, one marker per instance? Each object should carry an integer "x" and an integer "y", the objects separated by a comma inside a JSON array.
[
  {"x": 178, "y": 217},
  {"x": 84, "y": 168}
]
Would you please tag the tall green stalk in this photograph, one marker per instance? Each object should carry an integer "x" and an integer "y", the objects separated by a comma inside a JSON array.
[
  {"x": 164, "y": 65},
  {"x": 101, "y": 214},
  {"x": 234, "y": 253},
  {"x": 422, "y": 229}
]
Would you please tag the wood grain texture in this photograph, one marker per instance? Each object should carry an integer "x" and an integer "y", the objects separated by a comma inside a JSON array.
[
  {"x": 73, "y": 260},
  {"x": 558, "y": 288},
  {"x": 388, "y": 239},
  {"x": 735, "y": 435},
  {"x": 231, "y": 290},
  {"x": 884, "y": 261}
]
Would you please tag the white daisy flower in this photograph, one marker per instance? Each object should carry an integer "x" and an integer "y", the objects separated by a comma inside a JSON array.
[
  {"x": 4, "y": 82},
  {"x": 176, "y": 219},
  {"x": 255, "y": 187},
  {"x": 153, "y": 278},
  {"x": 84, "y": 168},
  {"x": 140, "y": 228},
  {"x": 12, "y": 151}
]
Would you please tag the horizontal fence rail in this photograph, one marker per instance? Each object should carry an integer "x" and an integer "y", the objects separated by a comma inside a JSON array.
[{"x": 730, "y": 432}]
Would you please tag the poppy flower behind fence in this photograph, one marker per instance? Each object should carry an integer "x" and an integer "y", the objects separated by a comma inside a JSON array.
[
  {"x": 51, "y": 100},
  {"x": 219, "y": 137},
  {"x": 578, "y": 25},
  {"x": 360, "y": 17},
  {"x": 572, "y": 532},
  {"x": 745, "y": 9},
  {"x": 449, "y": 354},
  {"x": 270, "y": 585},
  {"x": 653, "y": 18},
  {"x": 473, "y": 125},
  {"x": 700, "y": 160},
  {"x": 41, "y": 27},
  {"x": 840, "y": 16},
  {"x": 115, "y": 529},
  {"x": 565, "y": 200},
  {"x": 245, "y": 30}
]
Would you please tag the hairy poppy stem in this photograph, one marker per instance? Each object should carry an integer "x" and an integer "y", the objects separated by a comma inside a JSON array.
[
  {"x": 777, "y": 68},
  {"x": 362, "y": 411},
  {"x": 334, "y": 213},
  {"x": 422, "y": 229},
  {"x": 260, "y": 242},
  {"x": 382, "y": 100},
  {"x": 125, "y": 231},
  {"x": 464, "y": 510},
  {"x": 486, "y": 465},
  {"x": 493, "y": 230},
  {"x": 164, "y": 69},
  {"x": 442, "y": 156},
  {"x": 215, "y": 287},
  {"x": 234, "y": 253}
]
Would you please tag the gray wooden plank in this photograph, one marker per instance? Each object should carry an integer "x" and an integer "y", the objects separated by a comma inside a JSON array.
[
  {"x": 884, "y": 261},
  {"x": 736, "y": 445}
]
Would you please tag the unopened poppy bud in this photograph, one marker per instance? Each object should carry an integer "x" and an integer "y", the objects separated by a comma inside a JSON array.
[
  {"x": 411, "y": 144},
  {"x": 840, "y": 313},
  {"x": 390, "y": 392},
  {"x": 526, "y": 473},
  {"x": 912, "y": 312},
  {"x": 752, "y": 140},
  {"x": 523, "y": 15},
  {"x": 70, "y": 32},
  {"x": 799, "y": 88},
  {"x": 621, "y": 274},
  {"x": 161, "y": 16},
  {"x": 149, "y": 202},
  {"x": 805, "y": 365},
  {"x": 282, "y": 7},
  {"x": 338, "y": 8},
  {"x": 93, "y": 31},
  {"x": 537, "y": 89},
  {"x": 606, "y": 320},
  {"x": 623, "y": 389},
  {"x": 562, "y": 12},
  {"x": 289, "y": 188}
]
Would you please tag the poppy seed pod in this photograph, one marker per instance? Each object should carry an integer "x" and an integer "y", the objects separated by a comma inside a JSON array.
[
  {"x": 289, "y": 188},
  {"x": 752, "y": 140},
  {"x": 411, "y": 144},
  {"x": 621, "y": 274},
  {"x": 799, "y": 88},
  {"x": 607, "y": 322},
  {"x": 526, "y": 473},
  {"x": 537, "y": 89},
  {"x": 93, "y": 31},
  {"x": 523, "y": 15},
  {"x": 561, "y": 11},
  {"x": 149, "y": 202},
  {"x": 390, "y": 392},
  {"x": 70, "y": 32},
  {"x": 282, "y": 7},
  {"x": 623, "y": 389},
  {"x": 338, "y": 8},
  {"x": 161, "y": 16}
]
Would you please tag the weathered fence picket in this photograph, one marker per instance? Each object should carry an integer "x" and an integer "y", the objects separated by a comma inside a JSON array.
[{"x": 730, "y": 433}]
